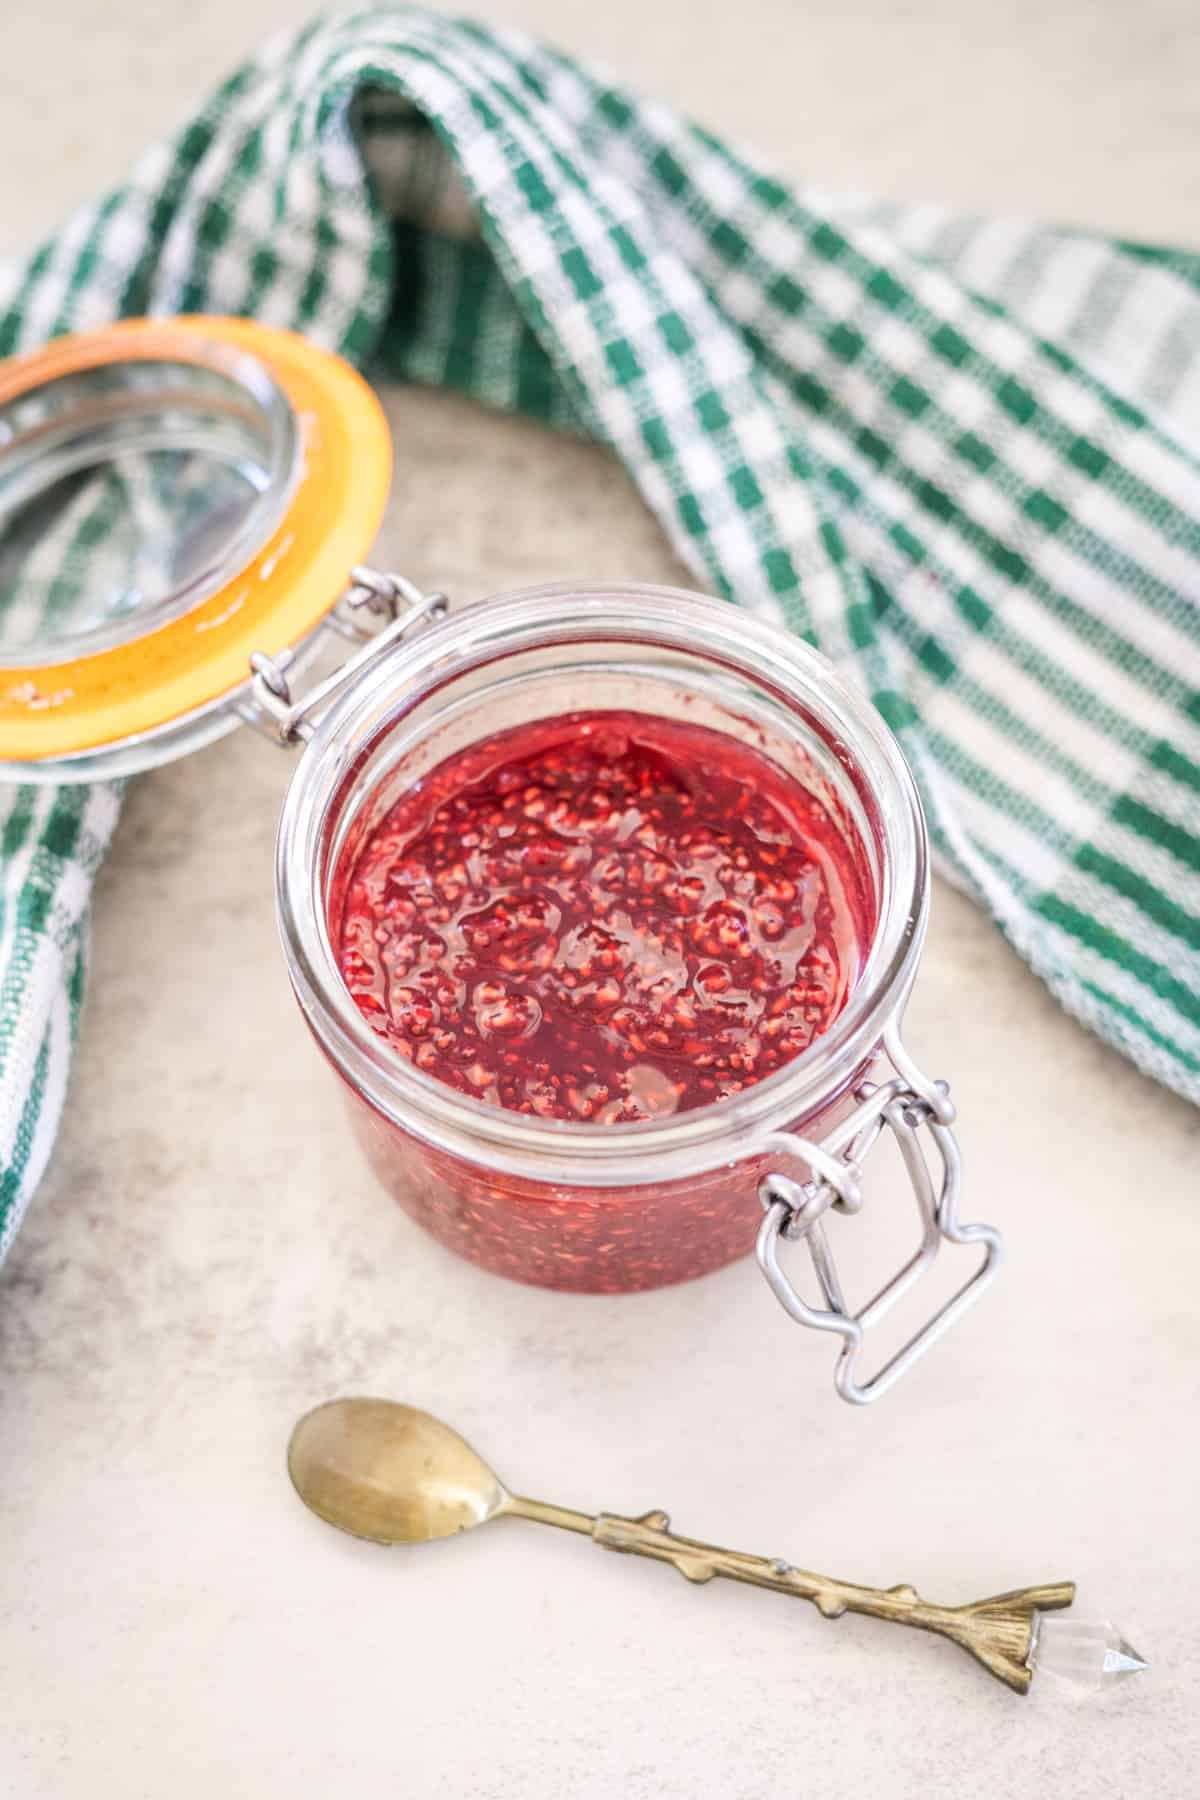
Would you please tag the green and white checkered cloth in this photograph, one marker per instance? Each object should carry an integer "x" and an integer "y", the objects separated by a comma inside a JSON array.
[{"x": 960, "y": 455}]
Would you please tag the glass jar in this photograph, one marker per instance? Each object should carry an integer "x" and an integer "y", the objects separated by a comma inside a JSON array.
[
  {"x": 263, "y": 427},
  {"x": 614, "y": 1207}
]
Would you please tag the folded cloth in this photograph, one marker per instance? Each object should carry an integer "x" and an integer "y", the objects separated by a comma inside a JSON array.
[{"x": 959, "y": 455}]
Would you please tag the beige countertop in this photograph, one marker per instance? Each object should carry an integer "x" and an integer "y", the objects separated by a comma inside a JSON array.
[{"x": 207, "y": 1258}]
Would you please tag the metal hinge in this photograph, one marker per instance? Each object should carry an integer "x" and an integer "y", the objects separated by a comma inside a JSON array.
[
  {"x": 271, "y": 706},
  {"x": 907, "y": 1106}
]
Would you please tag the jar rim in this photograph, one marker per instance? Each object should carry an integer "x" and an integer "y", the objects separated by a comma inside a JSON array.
[{"x": 562, "y": 1152}]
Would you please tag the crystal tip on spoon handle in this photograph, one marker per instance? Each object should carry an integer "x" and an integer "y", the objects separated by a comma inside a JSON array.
[{"x": 1085, "y": 1655}]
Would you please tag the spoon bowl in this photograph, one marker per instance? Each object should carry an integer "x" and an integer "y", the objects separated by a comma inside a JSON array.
[{"x": 390, "y": 1473}]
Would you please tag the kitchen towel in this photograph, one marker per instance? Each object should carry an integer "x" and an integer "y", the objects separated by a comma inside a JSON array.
[{"x": 959, "y": 454}]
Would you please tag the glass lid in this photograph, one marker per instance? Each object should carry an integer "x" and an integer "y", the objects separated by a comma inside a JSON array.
[
  {"x": 174, "y": 495},
  {"x": 128, "y": 492}
]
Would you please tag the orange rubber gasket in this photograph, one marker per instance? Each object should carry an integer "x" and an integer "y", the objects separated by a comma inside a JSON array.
[{"x": 65, "y": 708}]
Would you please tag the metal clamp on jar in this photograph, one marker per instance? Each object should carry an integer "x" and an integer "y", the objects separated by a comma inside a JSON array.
[{"x": 183, "y": 506}]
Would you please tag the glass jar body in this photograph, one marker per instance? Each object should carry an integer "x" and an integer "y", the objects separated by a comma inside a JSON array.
[
  {"x": 599, "y": 1240},
  {"x": 595, "y": 1208}
]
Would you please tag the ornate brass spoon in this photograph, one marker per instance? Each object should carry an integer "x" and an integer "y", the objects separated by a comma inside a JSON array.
[{"x": 395, "y": 1475}]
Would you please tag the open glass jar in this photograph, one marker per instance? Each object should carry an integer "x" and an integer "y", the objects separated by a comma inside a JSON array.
[{"x": 238, "y": 473}]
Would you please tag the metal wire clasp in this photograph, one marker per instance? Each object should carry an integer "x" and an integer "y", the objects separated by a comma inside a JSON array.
[
  {"x": 271, "y": 706},
  {"x": 908, "y": 1105}
]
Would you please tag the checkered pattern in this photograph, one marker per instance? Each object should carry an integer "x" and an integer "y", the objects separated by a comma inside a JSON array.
[{"x": 960, "y": 455}]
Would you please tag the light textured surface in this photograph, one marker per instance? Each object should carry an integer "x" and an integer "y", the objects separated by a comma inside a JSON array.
[{"x": 206, "y": 1260}]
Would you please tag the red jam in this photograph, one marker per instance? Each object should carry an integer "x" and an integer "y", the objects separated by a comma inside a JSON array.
[
  {"x": 596, "y": 918},
  {"x": 603, "y": 917}
]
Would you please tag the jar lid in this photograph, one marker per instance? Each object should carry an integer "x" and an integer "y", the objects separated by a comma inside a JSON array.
[{"x": 175, "y": 495}]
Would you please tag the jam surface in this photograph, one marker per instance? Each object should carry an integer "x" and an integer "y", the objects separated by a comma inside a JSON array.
[{"x": 603, "y": 917}]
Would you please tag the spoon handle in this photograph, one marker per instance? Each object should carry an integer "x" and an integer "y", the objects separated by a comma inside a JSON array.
[{"x": 998, "y": 1632}]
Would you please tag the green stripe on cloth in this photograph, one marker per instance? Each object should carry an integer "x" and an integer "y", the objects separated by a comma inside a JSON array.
[{"x": 961, "y": 455}]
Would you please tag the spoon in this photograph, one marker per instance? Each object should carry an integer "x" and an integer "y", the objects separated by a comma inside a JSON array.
[{"x": 395, "y": 1475}]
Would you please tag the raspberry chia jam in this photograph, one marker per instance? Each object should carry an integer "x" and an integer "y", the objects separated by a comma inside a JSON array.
[{"x": 603, "y": 916}]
